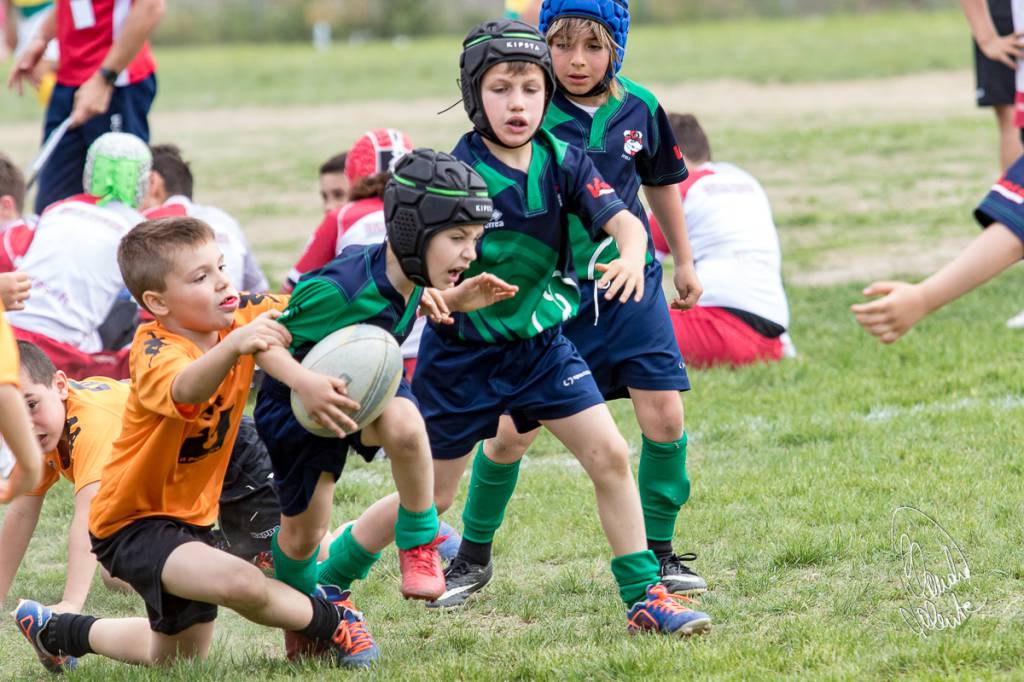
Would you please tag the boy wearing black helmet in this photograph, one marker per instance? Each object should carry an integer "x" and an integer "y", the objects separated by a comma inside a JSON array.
[
  {"x": 512, "y": 357},
  {"x": 631, "y": 349},
  {"x": 435, "y": 208}
]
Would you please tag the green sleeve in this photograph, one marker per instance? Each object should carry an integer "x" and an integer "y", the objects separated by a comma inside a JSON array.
[{"x": 316, "y": 309}]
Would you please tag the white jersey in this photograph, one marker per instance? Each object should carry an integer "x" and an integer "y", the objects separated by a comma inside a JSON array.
[
  {"x": 239, "y": 263},
  {"x": 735, "y": 245},
  {"x": 72, "y": 263}
]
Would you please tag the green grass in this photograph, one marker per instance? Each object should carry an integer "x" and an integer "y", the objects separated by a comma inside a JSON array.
[
  {"x": 797, "y": 469},
  {"x": 763, "y": 50}
]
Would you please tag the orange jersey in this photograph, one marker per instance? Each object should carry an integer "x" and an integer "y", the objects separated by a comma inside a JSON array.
[
  {"x": 171, "y": 458},
  {"x": 95, "y": 408},
  {"x": 9, "y": 360}
]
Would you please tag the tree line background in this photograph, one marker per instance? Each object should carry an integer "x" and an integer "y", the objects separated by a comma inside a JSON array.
[{"x": 202, "y": 21}]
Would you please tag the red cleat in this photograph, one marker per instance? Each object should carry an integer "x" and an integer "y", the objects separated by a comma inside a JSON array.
[
  {"x": 299, "y": 647},
  {"x": 422, "y": 577}
]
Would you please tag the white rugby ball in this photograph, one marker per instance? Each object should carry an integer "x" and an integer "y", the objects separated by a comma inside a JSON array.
[{"x": 368, "y": 359}]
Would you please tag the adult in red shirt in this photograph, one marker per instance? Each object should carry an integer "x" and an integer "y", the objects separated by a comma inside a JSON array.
[{"x": 105, "y": 81}]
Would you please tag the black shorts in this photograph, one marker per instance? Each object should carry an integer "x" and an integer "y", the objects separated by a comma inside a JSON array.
[
  {"x": 137, "y": 553},
  {"x": 995, "y": 81}
]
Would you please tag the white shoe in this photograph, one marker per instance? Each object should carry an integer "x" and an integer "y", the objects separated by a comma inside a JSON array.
[
  {"x": 789, "y": 348},
  {"x": 1017, "y": 321}
]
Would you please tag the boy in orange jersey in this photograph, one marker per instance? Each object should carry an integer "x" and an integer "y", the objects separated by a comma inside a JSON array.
[
  {"x": 75, "y": 423},
  {"x": 150, "y": 522},
  {"x": 15, "y": 427}
]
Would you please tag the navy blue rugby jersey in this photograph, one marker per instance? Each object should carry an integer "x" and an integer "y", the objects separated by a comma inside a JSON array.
[{"x": 631, "y": 143}]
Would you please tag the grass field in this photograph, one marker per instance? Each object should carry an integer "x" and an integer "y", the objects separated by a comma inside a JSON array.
[{"x": 873, "y": 156}]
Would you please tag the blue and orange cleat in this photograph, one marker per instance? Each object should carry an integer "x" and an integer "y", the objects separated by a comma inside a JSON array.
[
  {"x": 32, "y": 618},
  {"x": 664, "y": 612},
  {"x": 353, "y": 645}
]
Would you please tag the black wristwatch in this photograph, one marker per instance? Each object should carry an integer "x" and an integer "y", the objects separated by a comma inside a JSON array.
[{"x": 109, "y": 75}]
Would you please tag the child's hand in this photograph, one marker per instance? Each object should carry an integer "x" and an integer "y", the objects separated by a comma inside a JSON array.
[
  {"x": 434, "y": 307},
  {"x": 622, "y": 275},
  {"x": 260, "y": 334},
  {"x": 326, "y": 400},
  {"x": 480, "y": 291},
  {"x": 891, "y": 316},
  {"x": 687, "y": 286},
  {"x": 14, "y": 290}
]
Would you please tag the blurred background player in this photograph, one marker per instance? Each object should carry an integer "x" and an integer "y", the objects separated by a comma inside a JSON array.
[
  {"x": 743, "y": 313},
  {"x": 105, "y": 81},
  {"x": 19, "y": 444},
  {"x": 15, "y": 236},
  {"x": 334, "y": 185},
  {"x": 523, "y": 10},
  {"x": 24, "y": 18},
  {"x": 72, "y": 260},
  {"x": 997, "y": 47},
  {"x": 360, "y": 220},
  {"x": 170, "y": 194}
]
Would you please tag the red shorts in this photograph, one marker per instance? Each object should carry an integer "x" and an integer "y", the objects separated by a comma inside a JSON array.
[
  {"x": 75, "y": 363},
  {"x": 410, "y": 368},
  {"x": 709, "y": 337}
]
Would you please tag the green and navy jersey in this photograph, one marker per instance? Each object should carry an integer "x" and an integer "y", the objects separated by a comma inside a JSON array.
[
  {"x": 631, "y": 143},
  {"x": 526, "y": 242},
  {"x": 353, "y": 288},
  {"x": 1004, "y": 202}
]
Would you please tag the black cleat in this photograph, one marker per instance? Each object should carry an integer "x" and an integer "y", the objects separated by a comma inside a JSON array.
[
  {"x": 461, "y": 579},
  {"x": 678, "y": 578}
]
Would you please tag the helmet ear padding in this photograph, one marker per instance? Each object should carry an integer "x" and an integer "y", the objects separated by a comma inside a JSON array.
[
  {"x": 430, "y": 192},
  {"x": 495, "y": 42}
]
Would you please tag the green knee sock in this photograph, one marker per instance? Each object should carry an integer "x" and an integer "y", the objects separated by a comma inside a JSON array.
[
  {"x": 347, "y": 562},
  {"x": 664, "y": 486},
  {"x": 490, "y": 488},
  {"x": 633, "y": 573},
  {"x": 299, "y": 573},
  {"x": 415, "y": 528}
]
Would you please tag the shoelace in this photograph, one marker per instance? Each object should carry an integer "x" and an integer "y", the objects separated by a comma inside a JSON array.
[
  {"x": 352, "y": 635},
  {"x": 422, "y": 557},
  {"x": 676, "y": 561},
  {"x": 668, "y": 602}
]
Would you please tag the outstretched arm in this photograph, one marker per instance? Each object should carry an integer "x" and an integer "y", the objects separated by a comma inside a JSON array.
[
  {"x": 903, "y": 304},
  {"x": 81, "y": 561},
  {"x": 15, "y": 533},
  {"x": 624, "y": 276},
  {"x": 17, "y": 433}
]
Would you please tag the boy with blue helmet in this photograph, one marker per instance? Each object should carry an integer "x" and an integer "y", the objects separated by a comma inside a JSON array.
[
  {"x": 631, "y": 349},
  {"x": 512, "y": 357}
]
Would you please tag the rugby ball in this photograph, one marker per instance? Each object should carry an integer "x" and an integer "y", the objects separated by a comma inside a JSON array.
[{"x": 368, "y": 359}]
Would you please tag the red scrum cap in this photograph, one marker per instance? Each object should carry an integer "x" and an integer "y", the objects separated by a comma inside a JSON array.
[{"x": 376, "y": 151}]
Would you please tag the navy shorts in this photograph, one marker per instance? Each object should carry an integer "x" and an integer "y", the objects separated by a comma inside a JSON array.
[
  {"x": 61, "y": 177},
  {"x": 137, "y": 553},
  {"x": 297, "y": 456},
  {"x": 464, "y": 388},
  {"x": 629, "y": 345}
]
